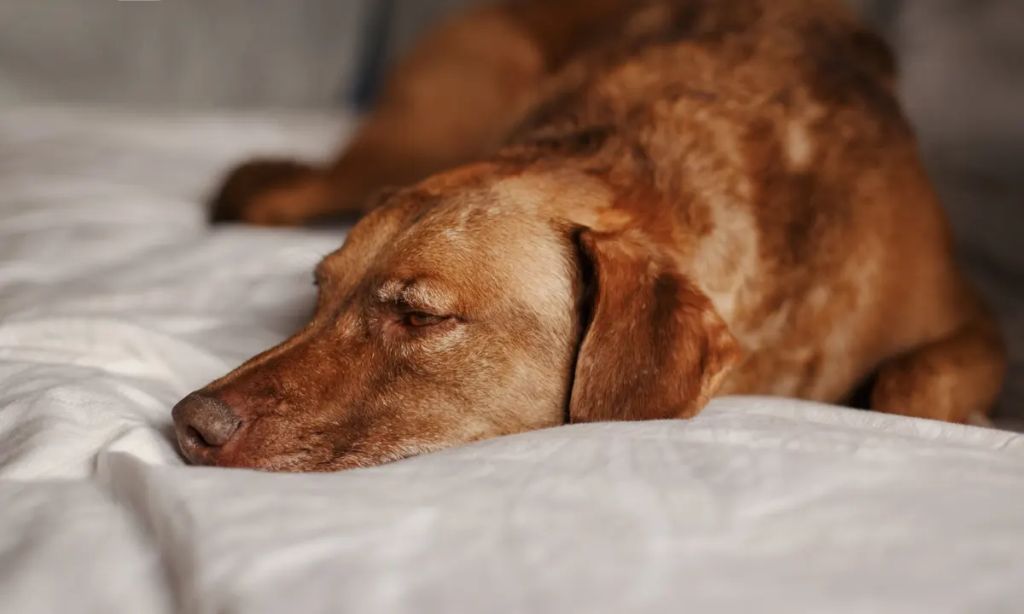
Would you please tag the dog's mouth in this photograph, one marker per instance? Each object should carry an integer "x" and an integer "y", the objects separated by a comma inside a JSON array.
[
  {"x": 305, "y": 462},
  {"x": 312, "y": 456}
]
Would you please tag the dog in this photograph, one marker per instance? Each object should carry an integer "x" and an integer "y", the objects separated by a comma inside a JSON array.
[{"x": 612, "y": 210}]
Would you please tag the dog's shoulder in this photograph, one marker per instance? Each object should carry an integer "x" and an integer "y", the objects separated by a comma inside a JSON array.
[{"x": 699, "y": 84}]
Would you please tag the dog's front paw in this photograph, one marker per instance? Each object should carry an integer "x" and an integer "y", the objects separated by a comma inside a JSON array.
[{"x": 270, "y": 193}]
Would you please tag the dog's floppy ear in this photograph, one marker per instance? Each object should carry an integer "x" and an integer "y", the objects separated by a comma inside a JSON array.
[{"x": 655, "y": 347}]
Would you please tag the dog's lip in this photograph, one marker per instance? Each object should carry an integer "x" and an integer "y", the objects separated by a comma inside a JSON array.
[{"x": 307, "y": 462}]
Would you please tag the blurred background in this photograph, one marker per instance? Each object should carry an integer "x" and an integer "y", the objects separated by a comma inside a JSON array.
[{"x": 962, "y": 67}]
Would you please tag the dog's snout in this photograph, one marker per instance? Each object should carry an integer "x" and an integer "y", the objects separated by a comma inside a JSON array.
[{"x": 203, "y": 425}]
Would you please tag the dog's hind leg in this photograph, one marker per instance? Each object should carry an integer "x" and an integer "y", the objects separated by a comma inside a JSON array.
[
  {"x": 454, "y": 97},
  {"x": 955, "y": 378}
]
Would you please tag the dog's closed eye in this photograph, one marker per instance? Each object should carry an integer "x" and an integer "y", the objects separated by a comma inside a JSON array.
[
  {"x": 416, "y": 304},
  {"x": 419, "y": 319}
]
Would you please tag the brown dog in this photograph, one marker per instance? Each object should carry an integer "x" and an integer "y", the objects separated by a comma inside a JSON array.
[{"x": 652, "y": 203}]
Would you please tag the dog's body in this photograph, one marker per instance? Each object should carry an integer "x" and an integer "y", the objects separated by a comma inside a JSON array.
[{"x": 652, "y": 203}]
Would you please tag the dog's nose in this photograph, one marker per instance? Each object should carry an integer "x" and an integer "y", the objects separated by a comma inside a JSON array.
[{"x": 203, "y": 425}]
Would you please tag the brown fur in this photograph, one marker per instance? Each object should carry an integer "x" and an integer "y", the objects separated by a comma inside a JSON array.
[{"x": 648, "y": 204}]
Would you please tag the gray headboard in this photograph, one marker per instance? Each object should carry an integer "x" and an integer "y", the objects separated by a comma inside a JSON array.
[{"x": 222, "y": 53}]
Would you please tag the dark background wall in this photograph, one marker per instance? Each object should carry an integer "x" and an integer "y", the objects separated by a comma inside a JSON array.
[
  {"x": 961, "y": 58},
  {"x": 203, "y": 53}
]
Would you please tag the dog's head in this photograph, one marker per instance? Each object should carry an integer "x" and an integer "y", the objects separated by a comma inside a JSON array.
[{"x": 461, "y": 309}]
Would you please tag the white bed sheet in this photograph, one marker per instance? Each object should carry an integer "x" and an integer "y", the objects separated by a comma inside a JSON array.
[{"x": 116, "y": 300}]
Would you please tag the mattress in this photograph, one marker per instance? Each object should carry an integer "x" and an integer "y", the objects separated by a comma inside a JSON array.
[{"x": 116, "y": 300}]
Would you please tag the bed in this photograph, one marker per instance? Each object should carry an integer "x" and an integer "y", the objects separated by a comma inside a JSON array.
[{"x": 116, "y": 300}]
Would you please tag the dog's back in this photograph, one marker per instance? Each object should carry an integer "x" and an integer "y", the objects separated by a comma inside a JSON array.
[{"x": 769, "y": 132}]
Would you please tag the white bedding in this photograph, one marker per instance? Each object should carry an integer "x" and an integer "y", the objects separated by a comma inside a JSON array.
[{"x": 116, "y": 300}]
